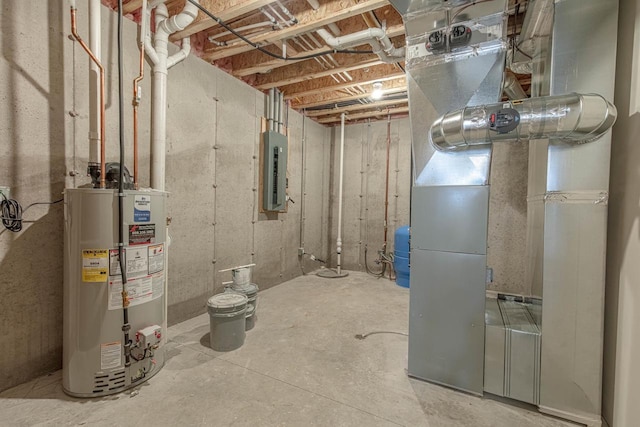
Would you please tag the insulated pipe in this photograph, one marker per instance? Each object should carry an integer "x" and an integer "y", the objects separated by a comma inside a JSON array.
[
  {"x": 98, "y": 64},
  {"x": 512, "y": 87},
  {"x": 572, "y": 118},
  {"x": 340, "y": 184}
]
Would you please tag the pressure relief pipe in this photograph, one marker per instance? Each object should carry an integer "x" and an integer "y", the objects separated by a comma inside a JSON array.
[{"x": 571, "y": 118}]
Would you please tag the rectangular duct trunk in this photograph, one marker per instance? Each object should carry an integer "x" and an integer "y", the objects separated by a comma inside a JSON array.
[
  {"x": 575, "y": 218},
  {"x": 450, "y": 197}
]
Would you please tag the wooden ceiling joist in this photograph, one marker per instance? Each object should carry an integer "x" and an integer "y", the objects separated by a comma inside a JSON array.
[
  {"x": 312, "y": 70},
  {"x": 254, "y": 62},
  {"x": 356, "y": 107},
  {"x": 331, "y": 98},
  {"x": 131, "y": 6},
  {"x": 331, "y": 11},
  {"x": 382, "y": 72},
  {"x": 366, "y": 115},
  {"x": 226, "y": 10}
]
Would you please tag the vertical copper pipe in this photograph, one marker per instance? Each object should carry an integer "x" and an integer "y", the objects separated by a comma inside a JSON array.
[
  {"x": 386, "y": 187},
  {"x": 74, "y": 32},
  {"x": 136, "y": 102}
]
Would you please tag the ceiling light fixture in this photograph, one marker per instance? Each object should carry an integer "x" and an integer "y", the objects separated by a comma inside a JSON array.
[{"x": 377, "y": 91}]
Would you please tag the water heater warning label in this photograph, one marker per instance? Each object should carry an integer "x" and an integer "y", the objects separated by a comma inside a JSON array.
[
  {"x": 139, "y": 291},
  {"x": 95, "y": 265},
  {"x": 142, "y": 208},
  {"x": 141, "y": 234},
  {"x": 156, "y": 258},
  {"x": 110, "y": 355}
]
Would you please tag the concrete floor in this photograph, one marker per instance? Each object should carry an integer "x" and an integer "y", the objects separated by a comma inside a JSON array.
[{"x": 299, "y": 366}]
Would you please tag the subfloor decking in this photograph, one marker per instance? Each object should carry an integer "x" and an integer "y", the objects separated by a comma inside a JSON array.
[{"x": 300, "y": 366}]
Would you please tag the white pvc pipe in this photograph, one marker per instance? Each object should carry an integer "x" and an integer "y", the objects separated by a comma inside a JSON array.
[
  {"x": 95, "y": 30},
  {"x": 339, "y": 240},
  {"x": 376, "y": 37},
  {"x": 159, "y": 54}
]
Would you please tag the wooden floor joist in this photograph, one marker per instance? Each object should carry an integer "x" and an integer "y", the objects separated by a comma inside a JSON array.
[
  {"x": 330, "y": 98},
  {"x": 357, "y": 107},
  {"x": 365, "y": 115},
  {"x": 330, "y": 11},
  {"x": 381, "y": 73}
]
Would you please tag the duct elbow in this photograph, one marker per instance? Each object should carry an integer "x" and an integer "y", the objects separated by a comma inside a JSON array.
[{"x": 571, "y": 118}]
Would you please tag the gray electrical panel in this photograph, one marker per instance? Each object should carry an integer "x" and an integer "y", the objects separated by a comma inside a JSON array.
[{"x": 275, "y": 171}]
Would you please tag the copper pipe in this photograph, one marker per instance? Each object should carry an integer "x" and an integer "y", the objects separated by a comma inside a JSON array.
[
  {"x": 136, "y": 102},
  {"x": 386, "y": 189},
  {"x": 74, "y": 32}
]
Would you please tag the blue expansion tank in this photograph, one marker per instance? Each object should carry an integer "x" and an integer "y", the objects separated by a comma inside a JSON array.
[{"x": 401, "y": 256}]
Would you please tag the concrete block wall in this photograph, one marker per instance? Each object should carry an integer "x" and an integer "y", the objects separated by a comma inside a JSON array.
[
  {"x": 363, "y": 199},
  {"x": 365, "y": 151},
  {"x": 507, "y": 233},
  {"x": 213, "y": 128}
]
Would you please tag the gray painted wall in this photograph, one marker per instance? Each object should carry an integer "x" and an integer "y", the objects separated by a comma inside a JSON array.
[
  {"x": 363, "y": 199},
  {"x": 621, "y": 388},
  {"x": 212, "y": 175},
  {"x": 506, "y": 240},
  {"x": 364, "y": 189}
]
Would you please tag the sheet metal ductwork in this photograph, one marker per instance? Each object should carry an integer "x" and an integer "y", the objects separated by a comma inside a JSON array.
[
  {"x": 455, "y": 60},
  {"x": 571, "y": 118}
]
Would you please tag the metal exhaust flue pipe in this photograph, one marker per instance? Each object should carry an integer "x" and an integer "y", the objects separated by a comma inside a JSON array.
[{"x": 571, "y": 118}]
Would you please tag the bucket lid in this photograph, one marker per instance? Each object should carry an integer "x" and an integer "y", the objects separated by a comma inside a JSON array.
[
  {"x": 250, "y": 289},
  {"x": 227, "y": 301}
]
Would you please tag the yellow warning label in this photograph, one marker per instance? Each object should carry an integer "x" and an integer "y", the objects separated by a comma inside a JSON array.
[{"x": 95, "y": 265}]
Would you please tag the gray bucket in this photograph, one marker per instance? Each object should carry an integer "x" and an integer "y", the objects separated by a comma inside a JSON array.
[
  {"x": 227, "y": 312},
  {"x": 251, "y": 292}
]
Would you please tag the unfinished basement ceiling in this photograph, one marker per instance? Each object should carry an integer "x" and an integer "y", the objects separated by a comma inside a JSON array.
[{"x": 322, "y": 87}]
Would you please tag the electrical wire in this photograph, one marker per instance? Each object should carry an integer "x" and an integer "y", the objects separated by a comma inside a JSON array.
[
  {"x": 12, "y": 212},
  {"x": 265, "y": 51}
]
